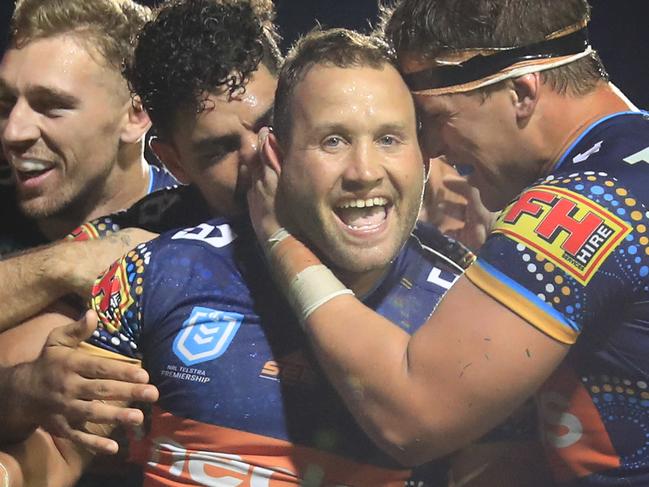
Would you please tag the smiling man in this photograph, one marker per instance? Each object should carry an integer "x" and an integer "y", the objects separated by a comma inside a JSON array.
[
  {"x": 240, "y": 398},
  {"x": 234, "y": 382},
  {"x": 557, "y": 300},
  {"x": 68, "y": 126},
  {"x": 74, "y": 140}
]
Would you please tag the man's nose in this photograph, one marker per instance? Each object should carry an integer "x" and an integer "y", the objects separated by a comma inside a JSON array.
[
  {"x": 365, "y": 166},
  {"x": 249, "y": 148},
  {"x": 20, "y": 127}
]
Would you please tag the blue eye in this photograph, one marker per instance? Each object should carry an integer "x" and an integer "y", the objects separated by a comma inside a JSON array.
[
  {"x": 388, "y": 140},
  {"x": 332, "y": 141}
]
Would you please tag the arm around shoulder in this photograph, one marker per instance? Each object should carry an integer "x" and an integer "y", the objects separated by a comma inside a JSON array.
[{"x": 458, "y": 376}]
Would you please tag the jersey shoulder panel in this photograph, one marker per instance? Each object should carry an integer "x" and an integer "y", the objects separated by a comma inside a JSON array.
[
  {"x": 142, "y": 288},
  {"x": 116, "y": 297},
  {"x": 573, "y": 248},
  {"x": 616, "y": 145}
]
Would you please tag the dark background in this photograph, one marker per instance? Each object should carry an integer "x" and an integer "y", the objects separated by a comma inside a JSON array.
[{"x": 618, "y": 31}]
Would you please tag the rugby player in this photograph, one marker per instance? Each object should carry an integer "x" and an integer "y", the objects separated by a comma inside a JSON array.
[
  {"x": 216, "y": 139},
  {"x": 73, "y": 137},
  {"x": 240, "y": 399},
  {"x": 558, "y": 294}
]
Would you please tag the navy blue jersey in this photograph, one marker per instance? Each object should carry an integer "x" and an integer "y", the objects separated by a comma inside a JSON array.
[
  {"x": 158, "y": 212},
  {"x": 241, "y": 397},
  {"x": 571, "y": 256}
]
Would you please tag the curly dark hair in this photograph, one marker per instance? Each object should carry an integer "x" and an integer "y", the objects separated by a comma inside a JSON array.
[{"x": 196, "y": 47}]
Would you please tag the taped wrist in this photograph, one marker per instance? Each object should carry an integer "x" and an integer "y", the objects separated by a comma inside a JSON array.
[
  {"x": 313, "y": 287},
  {"x": 4, "y": 476},
  {"x": 275, "y": 239}
]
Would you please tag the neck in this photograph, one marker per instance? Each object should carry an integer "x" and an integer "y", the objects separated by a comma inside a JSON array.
[
  {"x": 127, "y": 182},
  {"x": 569, "y": 116}
]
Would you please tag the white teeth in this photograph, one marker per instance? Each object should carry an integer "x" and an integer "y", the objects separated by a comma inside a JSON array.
[
  {"x": 30, "y": 165},
  {"x": 367, "y": 203}
]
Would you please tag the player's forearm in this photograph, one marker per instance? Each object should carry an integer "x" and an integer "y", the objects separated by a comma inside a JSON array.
[
  {"x": 35, "y": 279},
  {"x": 423, "y": 396},
  {"x": 365, "y": 358}
]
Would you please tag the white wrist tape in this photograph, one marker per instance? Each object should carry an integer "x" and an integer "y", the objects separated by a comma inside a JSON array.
[
  {"x": 276, "y": 238},
  {"x": 4, "y": 476},
  {"x": 312, "y": 288}
]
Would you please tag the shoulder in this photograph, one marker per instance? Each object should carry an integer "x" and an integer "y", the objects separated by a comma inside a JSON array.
[
  {"x": 434, "y": 242},
  {"x": 158, "y": 212},
  {"x": 414, "y": 285},
  {"x": 616, "y": 146}
]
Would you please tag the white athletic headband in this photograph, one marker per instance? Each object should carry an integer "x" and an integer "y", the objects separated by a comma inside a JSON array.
[{"x": 474, "y": 68}]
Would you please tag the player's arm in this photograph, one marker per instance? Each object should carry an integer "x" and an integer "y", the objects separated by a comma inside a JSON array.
[
  {"x": 58, "y": 385},
  {"x": 36, "y": 278},
  {"x": 421, "y": 396},
  {"x": 426, "y": 395}
]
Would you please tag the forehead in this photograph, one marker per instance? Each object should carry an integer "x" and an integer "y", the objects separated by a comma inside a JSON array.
[
  {"x": 61, "y": 62},
  {"x": 358, "y": 96},
  {"x": 225, "y": 114}
]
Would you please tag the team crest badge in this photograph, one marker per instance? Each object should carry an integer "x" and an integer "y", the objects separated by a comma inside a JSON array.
[{"x": 206, "y": 335}]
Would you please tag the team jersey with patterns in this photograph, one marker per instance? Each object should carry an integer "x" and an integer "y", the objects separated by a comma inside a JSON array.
[
  {"x": 571, "y": 256},
  {"x": 158, "y": 212},
  {"x": 182, "y": 206},
  {"x": 19, "y": 232},
  {"x": 242, "y": 401}
]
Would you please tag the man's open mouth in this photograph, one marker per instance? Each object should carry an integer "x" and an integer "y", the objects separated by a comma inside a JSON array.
[{"x": 363, "y": 214}]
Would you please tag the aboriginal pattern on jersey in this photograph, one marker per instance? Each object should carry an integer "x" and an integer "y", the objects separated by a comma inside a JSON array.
[
  {"x": 571, "y": 256},
  {"x": 241, "y": 397}
]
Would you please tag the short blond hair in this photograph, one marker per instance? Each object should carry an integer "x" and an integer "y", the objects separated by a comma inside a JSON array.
[{"x": 111, "y": 26}]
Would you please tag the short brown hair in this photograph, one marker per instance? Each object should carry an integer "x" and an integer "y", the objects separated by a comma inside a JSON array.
[
  {"x": 340, "y": 48},
  {"x": 111, "y": 26},
  {"x": 428, "y": 28}
]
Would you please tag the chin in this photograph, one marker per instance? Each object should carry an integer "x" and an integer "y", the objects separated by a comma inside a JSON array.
[
  {"x": 362, "y": 261},
  {"x": 40, "y": 208}
]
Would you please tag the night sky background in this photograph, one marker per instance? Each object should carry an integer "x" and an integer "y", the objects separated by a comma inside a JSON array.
[{"x": 619, "y": 31}]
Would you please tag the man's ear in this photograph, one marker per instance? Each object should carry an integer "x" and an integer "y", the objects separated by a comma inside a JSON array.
[
  {"x": 526, "y": 95},
  {"x": 137, "y": 123},
  {"x": 168, "y": 155},
  {"x": 272, "y": 154}
]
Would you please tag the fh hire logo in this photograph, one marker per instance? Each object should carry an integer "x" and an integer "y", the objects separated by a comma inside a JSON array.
[
  {"x": 568, "y": 229},
  {"x": 206, "y": 335}
]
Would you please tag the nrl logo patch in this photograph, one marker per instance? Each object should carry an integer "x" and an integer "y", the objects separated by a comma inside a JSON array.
[
  {"x": 565, "y": 227},
  {"x": 206, "y": 335}
]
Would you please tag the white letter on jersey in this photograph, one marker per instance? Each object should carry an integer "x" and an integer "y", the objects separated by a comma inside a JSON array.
[
  {"x": 642, "y": 156},
  {"x": 553, "y": 411},
  {"x": 224, "y": 237},
  {"x": 435, "y": 277}
]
